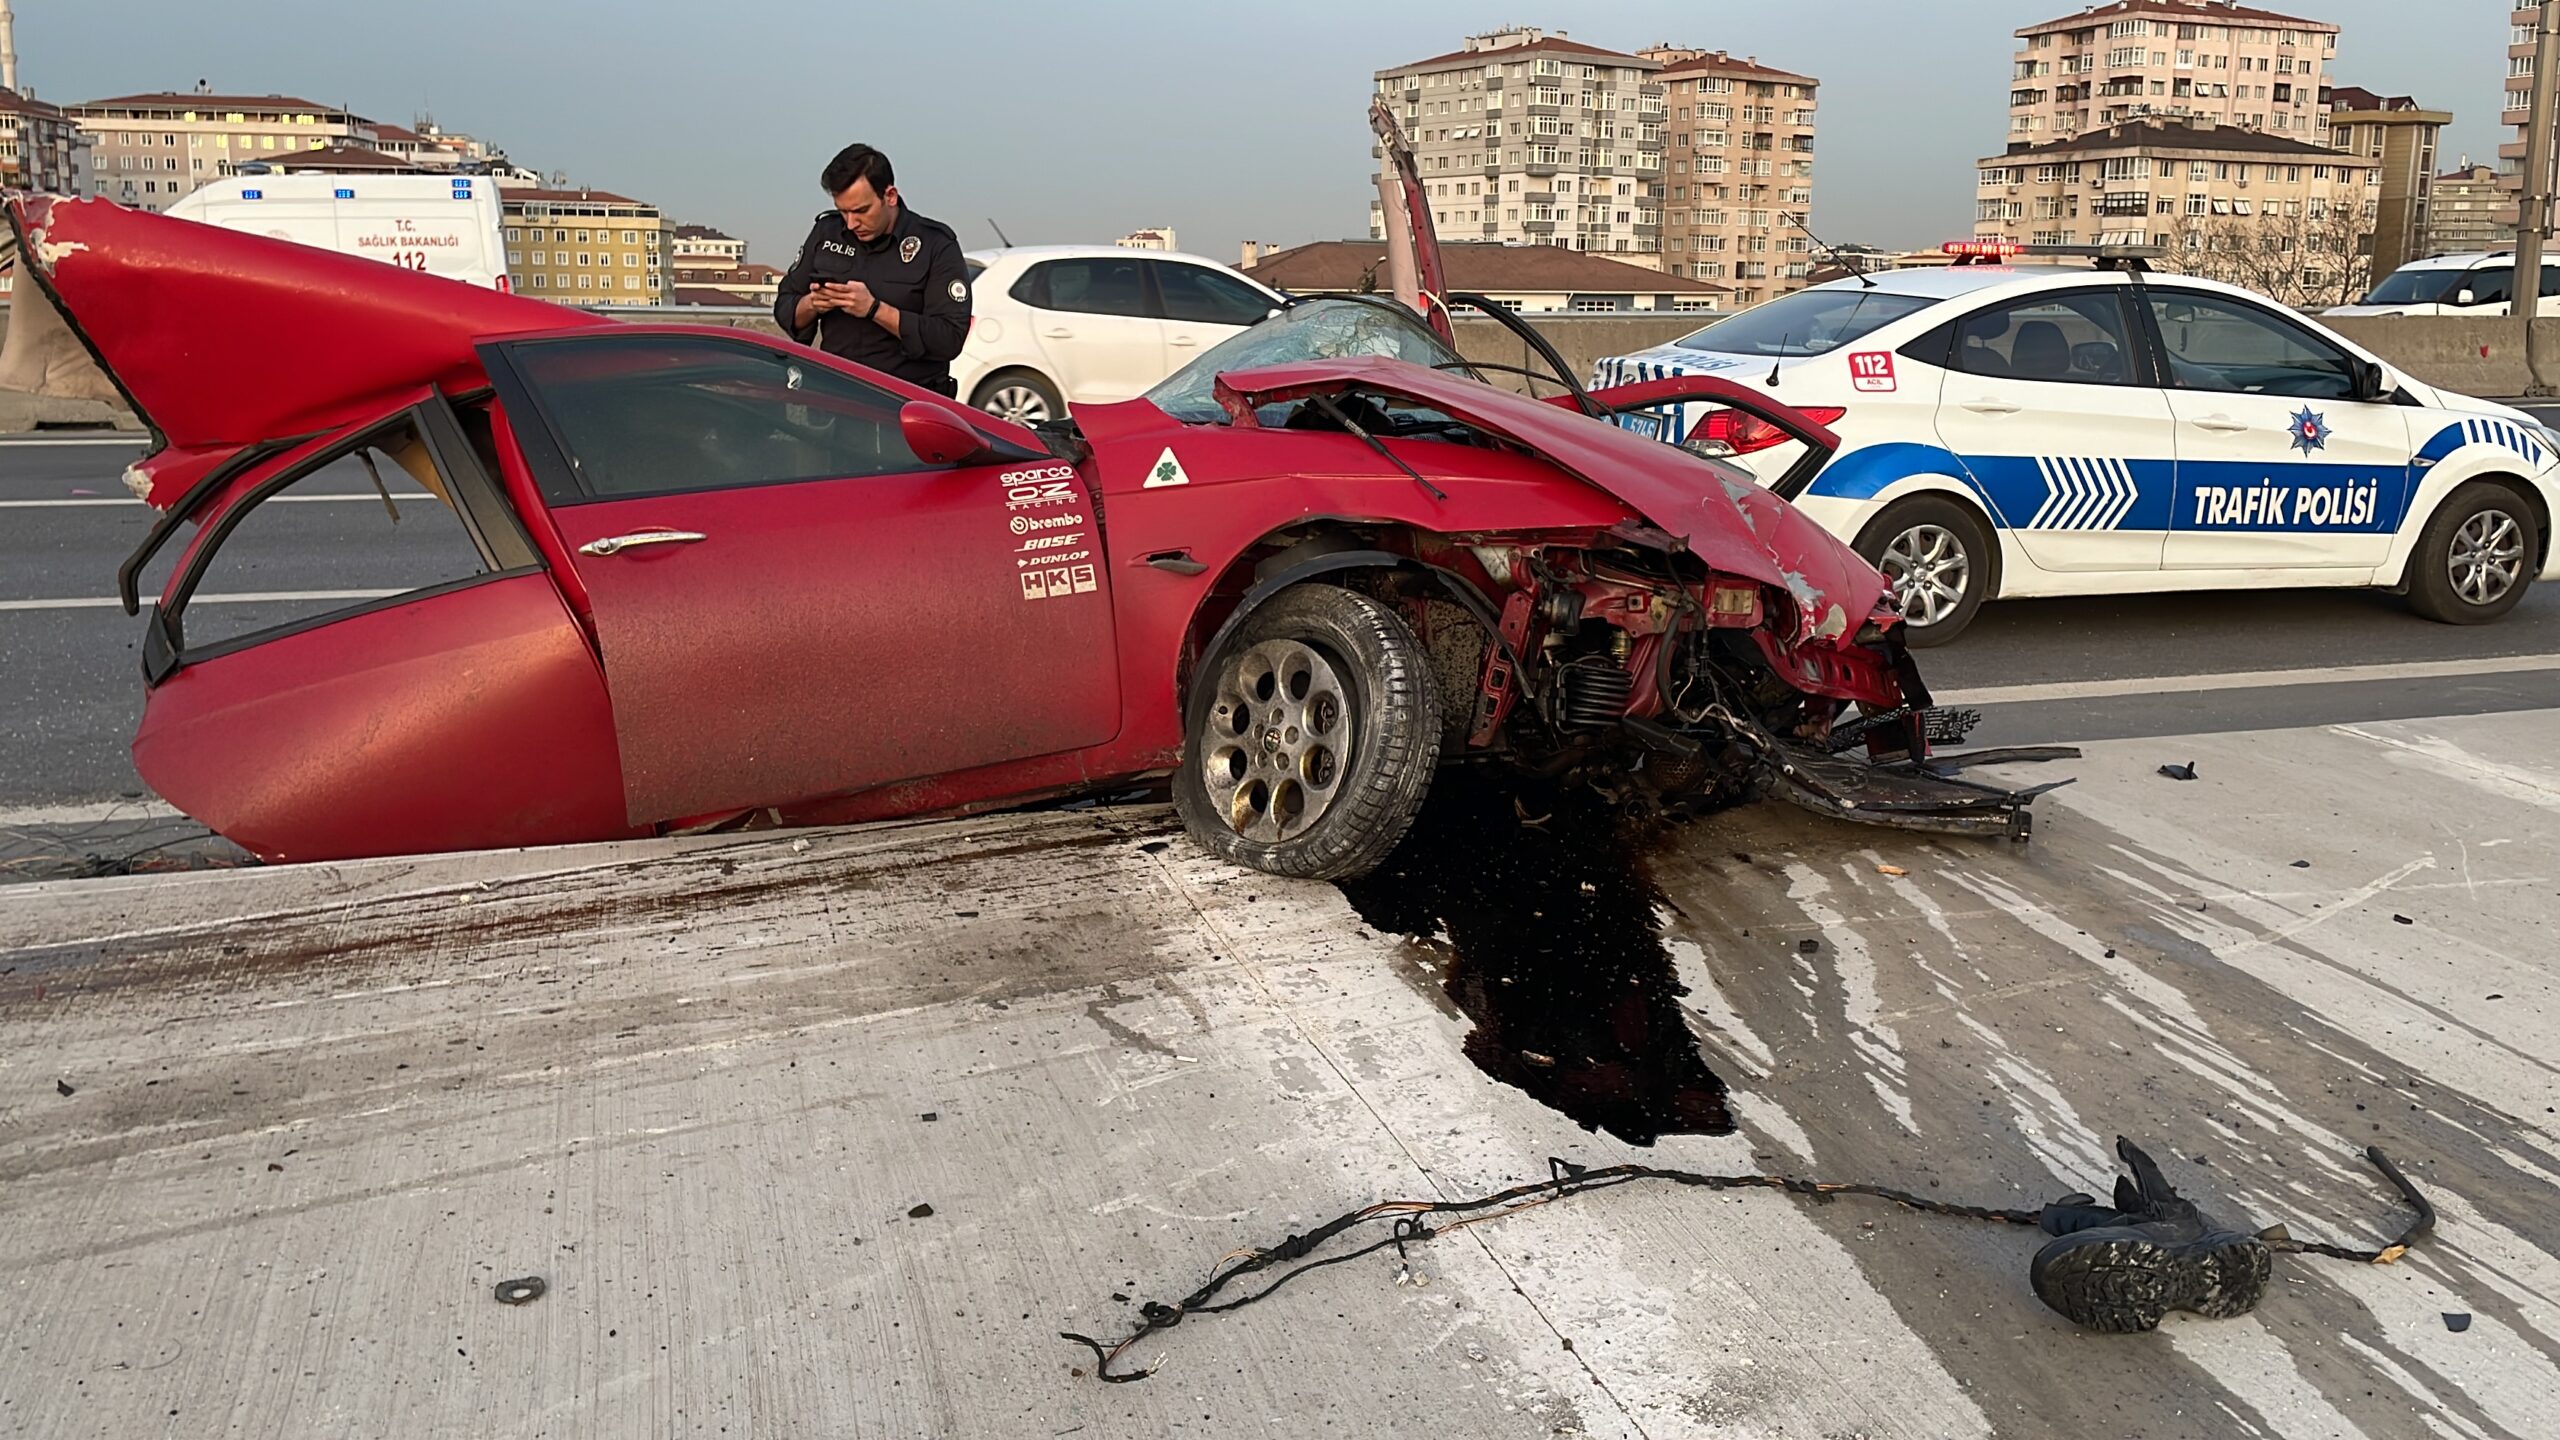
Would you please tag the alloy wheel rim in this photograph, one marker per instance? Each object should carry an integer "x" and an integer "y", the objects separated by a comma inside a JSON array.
[
  {"x": 1928, "y": 571},
  {"x": 1019, "y": 404},
  {"x": 2487, "y": 557},
  {"x": 1279, "y": 741}
]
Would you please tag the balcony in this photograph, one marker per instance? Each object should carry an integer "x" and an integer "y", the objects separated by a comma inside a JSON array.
[{"x": 1539, "y": 227}]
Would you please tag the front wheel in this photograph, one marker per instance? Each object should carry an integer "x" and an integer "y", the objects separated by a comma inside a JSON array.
[
  {"x": 1936, "y": 561},
  {"x": 2475, "y": 558},
  {"x": 1312, "y": 737}
]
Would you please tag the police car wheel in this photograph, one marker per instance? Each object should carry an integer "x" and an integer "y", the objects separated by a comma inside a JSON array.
[
  {"x": 1019, "y": 396},
  {"x": 2475, "y": 557},
  {"x": 1312, "y": 737},
  {"x": 1936, "y": 559}
]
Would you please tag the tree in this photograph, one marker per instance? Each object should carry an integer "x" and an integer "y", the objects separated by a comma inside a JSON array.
[{"x": 2306, "y": 260}]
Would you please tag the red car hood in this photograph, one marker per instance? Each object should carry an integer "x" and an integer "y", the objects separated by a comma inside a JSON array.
[
  {"x": 219, "y": 339},
  {"x": 1736, "y": 527}
]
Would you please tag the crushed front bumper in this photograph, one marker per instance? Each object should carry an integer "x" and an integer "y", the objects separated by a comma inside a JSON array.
[{"x": 1905, "y": 794}]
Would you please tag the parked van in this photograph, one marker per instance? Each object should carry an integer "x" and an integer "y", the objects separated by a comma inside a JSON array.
[
  {"x": 2481, "y": 283},
  {"x": 448, "y": 225}
]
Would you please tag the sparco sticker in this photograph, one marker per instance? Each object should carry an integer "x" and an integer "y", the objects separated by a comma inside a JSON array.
[{"x": 1031, "y": 489}]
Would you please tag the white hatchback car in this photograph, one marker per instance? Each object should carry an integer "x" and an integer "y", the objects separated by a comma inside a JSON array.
[
  {"x": 1061, "y": 325},
  {"x": 2012, "y": 430}
]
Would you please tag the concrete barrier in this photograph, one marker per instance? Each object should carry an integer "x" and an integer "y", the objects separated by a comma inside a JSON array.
[{"x": 2473, "y": 357}]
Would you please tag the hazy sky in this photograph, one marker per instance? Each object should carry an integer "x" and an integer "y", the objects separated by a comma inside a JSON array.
[{"x": 1081, "y": 121}]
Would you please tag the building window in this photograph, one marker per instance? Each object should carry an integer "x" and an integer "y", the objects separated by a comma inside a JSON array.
[
  {"x": 582, "y": 255},
  {"x": 630, "y": 282}
]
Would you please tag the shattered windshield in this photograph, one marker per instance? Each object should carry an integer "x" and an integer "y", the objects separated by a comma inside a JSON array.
[{"x": 1309, "y": 330}]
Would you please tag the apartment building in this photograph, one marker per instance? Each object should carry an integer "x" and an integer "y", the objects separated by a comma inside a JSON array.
[
  {"x": 585, "y": 247},
  {"x": 40, "y": 146},
  {"x": 2470, "y": 213},
  {"x": 1738, "y": 159},
  {"x": 2277, "y": 213},
  {"x": 147, "y": 150},
  {"x": 2400, "y": 136},
  {"x": 701, "y": 247},
  {"x": 2203, "y": 60},
  {"x": 1157, "y": 237},
  {"x": 1528, "y": 138},
  {"x": 2522, "y": 22}
]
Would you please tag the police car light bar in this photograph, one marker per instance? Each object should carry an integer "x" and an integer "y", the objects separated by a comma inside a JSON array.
[{"x": 2131, "y": 257}]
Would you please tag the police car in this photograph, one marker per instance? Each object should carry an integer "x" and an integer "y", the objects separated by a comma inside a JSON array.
[{"x": 2020, "y": 429}]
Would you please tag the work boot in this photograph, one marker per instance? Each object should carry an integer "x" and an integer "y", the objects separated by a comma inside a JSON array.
[{"x": 2122, "y": 1269}]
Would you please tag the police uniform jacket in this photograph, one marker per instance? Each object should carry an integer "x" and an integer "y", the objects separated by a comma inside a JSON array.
[{"x": 916, "y": 266}]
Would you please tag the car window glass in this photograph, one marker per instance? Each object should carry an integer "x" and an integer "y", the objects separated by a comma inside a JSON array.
[
  {"x": 2491, "y": 284},
  {"x": 1809, "y": 322},
  {"x": 373, "y": 521},
  {"x": 1203, "y": 296},
  {"x": 2061, "y": 338},
  {"x": 650, "y": 415},
  {"x": 2219, "y": 344},
  {"x": 1327, "y": 329},
  {"x": 1104, "y": 285}
]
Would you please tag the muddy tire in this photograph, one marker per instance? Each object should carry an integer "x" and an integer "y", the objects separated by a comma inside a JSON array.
[
  {"x": 1936, "y": 556},
  {"x": 2475, "y": 558},
  {"x": 1312, "y": 737}
]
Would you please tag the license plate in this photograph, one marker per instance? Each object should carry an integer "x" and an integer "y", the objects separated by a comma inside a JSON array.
[{"x": 1642, "y": 422}]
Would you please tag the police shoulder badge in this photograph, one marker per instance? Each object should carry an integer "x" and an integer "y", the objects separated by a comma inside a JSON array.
[
  {"x": 959, "y": 290},
  {"x": 909, "y": 248}
]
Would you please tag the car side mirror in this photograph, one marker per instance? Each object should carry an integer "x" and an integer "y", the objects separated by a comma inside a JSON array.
[
  {"x": 2374, "y": 381},
  {"x": 2466, "y": 296},
  {"x": 940, "y": 437}
]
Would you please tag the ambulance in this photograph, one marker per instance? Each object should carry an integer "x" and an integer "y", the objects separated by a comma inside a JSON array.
[{"x": 438, "y": 224}]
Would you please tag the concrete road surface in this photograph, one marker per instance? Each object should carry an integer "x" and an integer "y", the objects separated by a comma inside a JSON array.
[{"x": 703, "y": 1088}]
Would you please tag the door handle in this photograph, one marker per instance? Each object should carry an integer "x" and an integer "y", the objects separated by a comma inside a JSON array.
[
  {"x": 1182, "y": 340},
  {"x": 1059, "y": 334},
  {"x": 616, "y": 544},
  {"x": 1987, "y": 406},
  {"x": 2221, "y": 423}
]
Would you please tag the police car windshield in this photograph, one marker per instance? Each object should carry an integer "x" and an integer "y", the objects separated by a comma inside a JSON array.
[
  {"x": 1308, "y": 330},
  {"x": 1809, "y": 322},
  {"x": 2416, "y": 286}
]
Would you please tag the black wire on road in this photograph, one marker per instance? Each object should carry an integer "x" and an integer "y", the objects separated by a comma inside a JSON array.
[{"x": 1412, "y": 1223}]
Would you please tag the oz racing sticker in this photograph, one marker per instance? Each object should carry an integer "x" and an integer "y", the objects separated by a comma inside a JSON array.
[{"x": 1032, "y": 489}]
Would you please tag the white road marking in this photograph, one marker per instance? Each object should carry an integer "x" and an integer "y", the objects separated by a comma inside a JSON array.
[
  {"x": 35, "y": 440},
  {"x": 88, "y": 814},
  {"x": 260, "y": 597},
  {"x": 128, "y": 502},
  {"x": 2249, "y": 680}
]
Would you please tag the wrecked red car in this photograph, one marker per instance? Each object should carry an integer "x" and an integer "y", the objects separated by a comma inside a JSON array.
[{"x": 697, "y": 578}]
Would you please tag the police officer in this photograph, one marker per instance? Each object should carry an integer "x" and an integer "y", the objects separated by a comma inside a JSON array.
[{"x": 877, "y": 283}]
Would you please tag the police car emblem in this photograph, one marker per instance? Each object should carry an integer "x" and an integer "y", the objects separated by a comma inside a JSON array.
[
  {"x": 959, "y": 290},
  {"x": 2310, "y": 432},
  {"x": 908, "y": 248}
]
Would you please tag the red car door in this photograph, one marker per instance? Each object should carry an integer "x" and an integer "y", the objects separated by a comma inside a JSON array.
[
  {"x": 431, "y": 692},
  {"x": 789, "y": 603}
]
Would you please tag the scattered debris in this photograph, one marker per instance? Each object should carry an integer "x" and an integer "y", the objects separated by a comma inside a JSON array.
[
  {"x": 1156, "y": 847},
  {"x": 2402, "y": 920},
  {"x": 1891, "y": 870},
  {"x": 2456, "y": 1321},
  {"x": 799, "y": 846},
  {"x": 2180, "y": 772},
  {"x": 275, "y": 1166},
  {"x": 1808, "y": 947},
  {"x": 65, "y": 1089},
  {"x": 522, "y": 1291},
  {"x": 919, "y": 1212},
  {"x": 2301, "y": 864}
]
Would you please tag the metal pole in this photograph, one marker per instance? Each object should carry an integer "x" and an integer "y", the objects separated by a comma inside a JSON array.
[{"x": 2533, "y": 207}]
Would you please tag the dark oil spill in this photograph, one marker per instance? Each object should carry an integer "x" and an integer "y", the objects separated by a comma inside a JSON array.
[{"x": 1557, "y": 962}]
